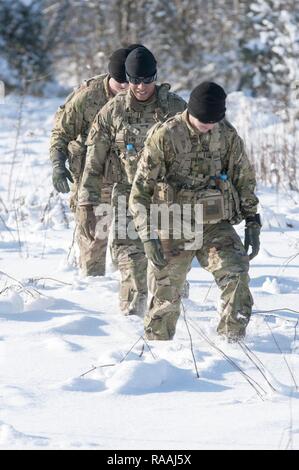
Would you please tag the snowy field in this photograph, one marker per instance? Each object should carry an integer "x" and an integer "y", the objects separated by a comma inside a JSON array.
[{"x": 55, "y": 325}]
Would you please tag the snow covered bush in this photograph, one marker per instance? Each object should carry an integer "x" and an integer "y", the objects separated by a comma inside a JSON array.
[{"x": 23, "y": 46}]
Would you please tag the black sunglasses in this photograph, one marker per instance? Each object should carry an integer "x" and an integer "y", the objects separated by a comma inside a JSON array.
[{"x": 138, "y": 80}]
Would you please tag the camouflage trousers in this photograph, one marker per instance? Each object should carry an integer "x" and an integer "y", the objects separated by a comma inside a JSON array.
[
  {"x": 92, "y": 258},
  {"x": 128, "y": 253},
  {"x": 223, "y": 255}
]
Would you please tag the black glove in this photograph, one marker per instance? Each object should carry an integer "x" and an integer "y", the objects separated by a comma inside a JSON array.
[
  {"x": 60, "y": 176},
  {"x": 252, "y": 235},
  {"x": 60, "y": 173},
  {"x": 153, "y": 251}
]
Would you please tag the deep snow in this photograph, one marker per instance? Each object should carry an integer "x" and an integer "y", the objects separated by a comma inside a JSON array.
[{"x": 55, "y": 325}]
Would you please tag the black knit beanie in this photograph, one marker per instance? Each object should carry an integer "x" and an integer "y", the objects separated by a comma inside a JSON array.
[
  {"x": 207, "y": 103},
  {"x": 116, "y": 66},
  {"x": 141, "y": 63}
]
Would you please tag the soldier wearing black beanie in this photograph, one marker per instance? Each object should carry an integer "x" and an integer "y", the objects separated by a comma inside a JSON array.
[
  {"x": 141, "y": 63},
  {"x": 82, "y": 107},
  {"x": 116, "y": 66},
  {"x": 207, "y": 103}
]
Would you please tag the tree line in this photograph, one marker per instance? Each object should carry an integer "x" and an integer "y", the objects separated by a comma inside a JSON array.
[{"x": 250, "y": 46}]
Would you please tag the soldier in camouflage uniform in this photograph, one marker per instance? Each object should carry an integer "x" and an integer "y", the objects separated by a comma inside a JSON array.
[
  {"x": 72, "y": 124},
  {"x": 198, "y": 157},
  {"x": 123, "y": 123}
]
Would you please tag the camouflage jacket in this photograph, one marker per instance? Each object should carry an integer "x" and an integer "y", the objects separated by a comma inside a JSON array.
[
  {"x": 122, "y": 125},
  {"x": 185, "y": 162},
  {"x": 74, "y": 118}
]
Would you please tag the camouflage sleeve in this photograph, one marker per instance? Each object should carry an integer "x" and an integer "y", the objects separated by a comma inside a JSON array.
[
  {"x": 243, "y": 177},
  {"x": 68, "y": 124},
  {"x": 151, "y": 168},
  {"x": 98, "y": 148}
]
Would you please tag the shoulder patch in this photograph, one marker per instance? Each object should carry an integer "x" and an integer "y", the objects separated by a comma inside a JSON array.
[
  {"x": 153, "y": 129},
  {"x": 179, "y": 135}
]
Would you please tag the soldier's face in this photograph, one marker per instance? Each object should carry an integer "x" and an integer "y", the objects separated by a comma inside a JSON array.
[
  {"x": 200, "y": 126},
  {"x": 116, "y": 87},
  {"x": 142, "y": 91}
]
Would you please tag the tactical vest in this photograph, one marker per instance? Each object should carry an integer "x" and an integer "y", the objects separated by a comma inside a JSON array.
[
  {"x": 200, "y": 173},
  {"x": 133, "y": 125}
]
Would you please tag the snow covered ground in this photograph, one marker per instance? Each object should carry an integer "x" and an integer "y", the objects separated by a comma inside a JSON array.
[{"x": 55, "y": 325}]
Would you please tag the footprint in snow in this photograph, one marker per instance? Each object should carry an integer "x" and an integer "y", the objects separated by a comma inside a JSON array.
[
  {"x": 9, "y": 436},
  {"x": 83, "y": 384},
  {"x": 56, "y": 344},
  {"x": 82, "y": 326},
  {"x": 16, "y": 397}
]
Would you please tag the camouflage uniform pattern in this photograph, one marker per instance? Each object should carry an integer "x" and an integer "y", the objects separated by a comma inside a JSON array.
[
  {"x": 123, "y": 121},
  {"x": 174, "y": 154},
  {"x": 73, "y": 121}
]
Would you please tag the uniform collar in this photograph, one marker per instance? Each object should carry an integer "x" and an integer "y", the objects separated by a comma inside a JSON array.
[
  {"x": 131, "y": 101},
  {"x": 194, "y": 132}
]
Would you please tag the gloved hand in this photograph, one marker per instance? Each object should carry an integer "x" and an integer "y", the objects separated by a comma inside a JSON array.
[
  {"x": 60, "y": 176},
  {"x": 153, "y": 251},
  {"x": 252, "y": 236},
  {"x": 86, "y": 221}
]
